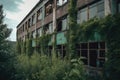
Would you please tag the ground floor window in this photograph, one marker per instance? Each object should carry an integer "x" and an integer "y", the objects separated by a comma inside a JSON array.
[{"x": 92, "y": 53}]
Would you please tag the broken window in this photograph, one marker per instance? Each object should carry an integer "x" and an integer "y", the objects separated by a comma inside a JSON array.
[
  {"x": 59, "y": 25},
  {"x": 39, "y": 14},
  {"x": 48, "y": 8},
  {"x": 46, "y": 29},
  {"x": 92, "y": 53},
  {"x": 29, "y": 23},
  {"x": 33, "y": 19}
]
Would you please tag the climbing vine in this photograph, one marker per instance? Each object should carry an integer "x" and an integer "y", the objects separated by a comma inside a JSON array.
[
  {"x": 72, "y": 12},
  {"x": 108, "y": 30}
]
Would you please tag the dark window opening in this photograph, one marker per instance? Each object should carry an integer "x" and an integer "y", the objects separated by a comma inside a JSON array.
[
  {"x": 84, "y": 45},
  {"x": 49, "y": 8},
  {"x": 101, "y": 62},
  {"x": 46, "y": 29},
  {"x": 59, "y": 26},
  {"x": 93, "y": 45},
  {"x": 84, "y": 56},
  {"x": 93, "y": 58},
  {"x": 102, "y": 53},
  {"x": 29, "y": 23},
  {"x": 102, "y": 45}
]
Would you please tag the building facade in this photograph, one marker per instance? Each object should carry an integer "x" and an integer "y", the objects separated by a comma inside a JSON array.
[{"x": 41, "y": 18}]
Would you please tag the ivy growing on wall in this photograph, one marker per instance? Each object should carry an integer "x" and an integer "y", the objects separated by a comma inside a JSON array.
[
  {"x": 71, "y": 34},
  {"x": 108, "y": 30}
]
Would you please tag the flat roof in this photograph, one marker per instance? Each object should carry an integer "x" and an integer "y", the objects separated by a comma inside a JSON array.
[{"x": 29, "y": 13}]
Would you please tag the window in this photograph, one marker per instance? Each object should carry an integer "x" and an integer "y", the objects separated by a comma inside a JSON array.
[
  {"x": 100, "y": 9},
  {"x": 26, "y": 25},
  {"x": 51, "y": 28},
  {"x": 61, "y": 51},
  {"x": 39, "y": 14},
  {"x": 119, "y": 7},
  {"x": 33, "y": 19},
  {"x": 48, "y": 8},
  {"x": 83, "y": 15},
  {"x": 59, "y": 25},
  {"x": 29, "y": 23},
  {"x": 64, "y": 24},
  {"x": 39, "y": 32},
  {"x": 92, "y": 53},
  {"x": 92, "y": 11},
  {"x": 33, "y": 34},
  {"x": 46, "y": 29},
  {"x": 23, "y": 27},
  {"x": 61, "y": 2}
]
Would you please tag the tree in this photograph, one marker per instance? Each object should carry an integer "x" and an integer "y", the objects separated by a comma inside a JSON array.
[{"x": 4, "y": 48}]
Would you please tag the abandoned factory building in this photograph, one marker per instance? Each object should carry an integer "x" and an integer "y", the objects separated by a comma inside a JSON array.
[{"x": 41, "y": 18}]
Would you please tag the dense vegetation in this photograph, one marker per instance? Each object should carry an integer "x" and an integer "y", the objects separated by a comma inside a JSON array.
[{"x": 26, "y": 64}]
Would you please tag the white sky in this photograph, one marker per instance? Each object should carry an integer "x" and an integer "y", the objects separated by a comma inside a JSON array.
[{"x": 14, "y": 18}]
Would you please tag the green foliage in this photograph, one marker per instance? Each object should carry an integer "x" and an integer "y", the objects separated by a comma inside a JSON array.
[
  {"x": 43, "y": 42},
  {"x": 29, "y": 49},
  {"x": 76, "y": 71},
  {"x": 109, "y": 30},
  {"x": 72, "y": 12},
  {"x": 6, "y": 68},
  {"x": 41, "y": 67},
  {"x": 18, "y": 47}
]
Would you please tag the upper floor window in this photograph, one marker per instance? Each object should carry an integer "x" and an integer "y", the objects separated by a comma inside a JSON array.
[
  {"x": 26, "y": 25},
  {"x": 29, "y": 23},
  {"x": 33, "y": 34},
  {"x": 61, "y": 2},
  {"x": 39, "y": 14},
  {"x": 33, "y": 19},
  {"x": 39, "y": 32},
  {"x": 83, "y": 15},
  {"x": 62, "y": 24},
  {"x": 48, "y": 8},
  {"x": 51, "y": 28},
  {"x": 94, "y": 10}
]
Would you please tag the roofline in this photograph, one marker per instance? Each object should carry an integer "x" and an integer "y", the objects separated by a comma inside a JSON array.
[{"x": 29, "y": 13}]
